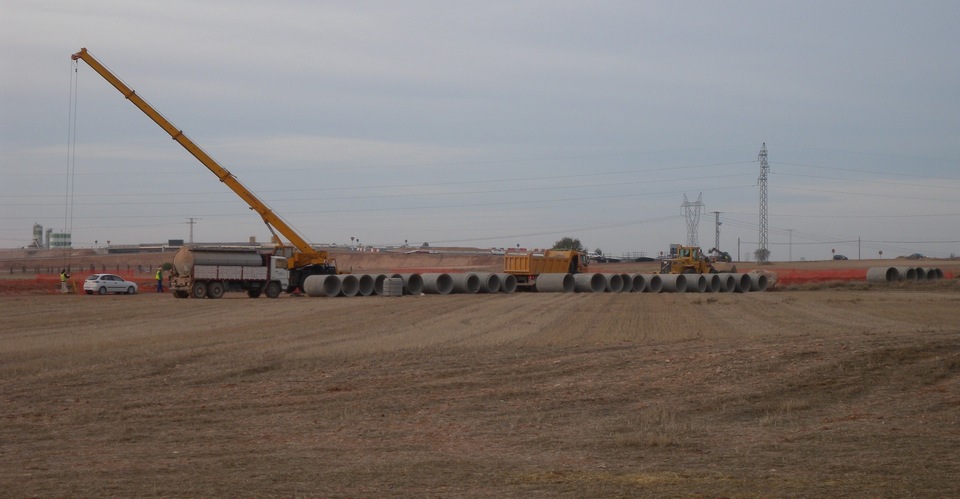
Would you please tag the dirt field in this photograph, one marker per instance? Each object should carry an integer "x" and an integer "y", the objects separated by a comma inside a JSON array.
[{"x": 849, "y": 390}]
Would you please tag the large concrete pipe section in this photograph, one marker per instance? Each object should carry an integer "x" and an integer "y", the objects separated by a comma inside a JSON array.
[
  {"x": 713, "y": 283},
  {"x": 554, "y": 283},
  {"x": 930, "y": 273},
  {"x": 674, "y": 283},
  {"x": 465, "y": 283},
  {"x": 489, "y": 282},
  {"x": 614, "y": 282},
  {"x": 321, "y": 285},
  {"x": 758, "y": 282},
  {"x": 728, "y": 283},
  {"x": 378, "y": 283},
  {"x": 907, "y": 273},
  {"x": 882, "y": 274},
  {"x": 412, "y": 283},
  {"x": 638, "y": 283},
  {"x": 697, "y": 283},
  {"x": 654, "y": 283},
  {"x": 366, "y": 284},
  {"x": 437, "y": 284},
  {"x": 741, "y": 283},
  {"x": 627, "y": 280},
  {"x": 589, "y": 283},
  {"x": 349, "y": 285},
  {"x": 508, "y": 283}
]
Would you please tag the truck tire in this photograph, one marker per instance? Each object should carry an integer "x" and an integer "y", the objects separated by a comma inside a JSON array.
[
  {"x": 181, "y": 294},
  {"x": 273, "y": 289},
  {"x": 199, "y": 290},
  {"x": 215, "y": 290},
  {"x": 254, "y": 292}
]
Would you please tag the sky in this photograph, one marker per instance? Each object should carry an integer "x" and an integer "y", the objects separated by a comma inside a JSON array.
[{"x": 490, "y": 124}]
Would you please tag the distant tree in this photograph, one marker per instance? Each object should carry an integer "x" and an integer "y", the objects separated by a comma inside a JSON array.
[
  {"x": 598, "y": 251},
  {"x": 568, "y": 243},
  {"x": 762, "y": 255}
]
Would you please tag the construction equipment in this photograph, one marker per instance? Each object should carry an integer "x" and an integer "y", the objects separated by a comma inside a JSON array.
[
  {"x": 720, "y": 256},
  {"x": 301, "y": 258},
  {"x": 208, "y": 272},
  {"x": 527, "y": 266},
  {"x": 689, "y": 260}
]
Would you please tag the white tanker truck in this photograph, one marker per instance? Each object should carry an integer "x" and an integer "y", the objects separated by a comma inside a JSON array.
[{"x": 211, "y": 271}]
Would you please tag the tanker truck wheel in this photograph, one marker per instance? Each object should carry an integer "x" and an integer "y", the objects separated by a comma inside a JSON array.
[
  {"x": 273, "y": 289},
  {"x": 181, "y": 294},
  {"x": 215, "y": 290},
  {"x": 199, "y": 290}
]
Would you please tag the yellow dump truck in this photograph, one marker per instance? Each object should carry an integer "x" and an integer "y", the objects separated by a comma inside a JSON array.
[{"x": 527, "y": 266}]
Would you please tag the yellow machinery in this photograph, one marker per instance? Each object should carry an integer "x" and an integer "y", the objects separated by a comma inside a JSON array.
[
  {"x": 302, "y": 259},
  {"x": 526, "y": 267},
  {"x": 689, "y": 260}
]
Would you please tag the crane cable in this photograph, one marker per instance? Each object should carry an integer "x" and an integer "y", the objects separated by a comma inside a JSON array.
[{"x": 71, "y": 165}]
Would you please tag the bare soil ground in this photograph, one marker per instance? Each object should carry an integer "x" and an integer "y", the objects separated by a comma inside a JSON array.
[{"x": 839, "y": 391}]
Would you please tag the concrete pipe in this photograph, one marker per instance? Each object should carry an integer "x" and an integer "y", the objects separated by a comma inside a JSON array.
[
  {"x": 674, "y": 283},
  {"x": 464, "y": 283},
  {"x": 882, "y": 274},
  {"x": 929, "y": 273},
  {"x": 654, "y": 283},
  {"x": 638, "y": 283},
  {"x": 321, "y": 285},
  {"x": 508, "y": 283},
  {"x": 614, "y": 282},
  {"x": 627, "y": 281},
  {"x": 489, "y": 282},
  {"x": 758, "y": 282},
  {"x": 554, "y": 283},
  {"x": 939, "y": 272},
  {"x": 366, "y": 283},
  {"x": 589, "y": 283},
  {"x": 412, "y": 283},
  {"x": 378, "y": 283},
  {"x": 741, "y": 283},
  {"x": 713, "y": 283},
  {"x": 349, "y": 285},
  {"x": 728, "y": 283},
  {"x": 921, "y": 274},
  {"x": 697, "y": 283},
  {"x": 437, "y": 283},
  {"x": 907, "y": 273}
]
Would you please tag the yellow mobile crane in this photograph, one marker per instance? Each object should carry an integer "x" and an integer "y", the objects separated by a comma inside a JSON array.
[{"x": 302, "y": 259}]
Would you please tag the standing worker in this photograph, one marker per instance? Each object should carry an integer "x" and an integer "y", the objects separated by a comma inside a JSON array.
[
  {"x": 64, "y": 276},
  {"x": 160, "y": 280}
]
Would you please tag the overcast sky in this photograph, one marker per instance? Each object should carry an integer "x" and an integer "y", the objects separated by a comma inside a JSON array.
[{"x": 490, "y": 124}]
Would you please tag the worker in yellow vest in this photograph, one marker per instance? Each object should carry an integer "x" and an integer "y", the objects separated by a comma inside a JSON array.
[
  {"x": 64, "y": 277},
  {"x": 160, "y": 280}
]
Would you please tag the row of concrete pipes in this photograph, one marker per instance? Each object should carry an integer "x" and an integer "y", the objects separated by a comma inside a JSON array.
[
  {"x": 896, "y": 274},
  {"x": 488, "y": 282}
]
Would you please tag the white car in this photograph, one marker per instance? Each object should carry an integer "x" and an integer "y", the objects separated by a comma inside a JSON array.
[{"x": 108, "y": 283}]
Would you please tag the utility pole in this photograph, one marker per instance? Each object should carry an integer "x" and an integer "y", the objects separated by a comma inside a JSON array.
[
  {"x": 790, "y": 257},
  {"x": 191, "y": 221},
  {"x": 764, "y": 253},
  {"x": 716, "y": 243}
]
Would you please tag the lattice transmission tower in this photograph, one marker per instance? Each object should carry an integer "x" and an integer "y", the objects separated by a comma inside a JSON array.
[
  {"x": 763, "y": 254},
  {"x": 692, "y": 213}
]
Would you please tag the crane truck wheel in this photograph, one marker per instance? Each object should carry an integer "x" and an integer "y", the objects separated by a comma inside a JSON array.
[
  {"x": 215, "y": 290},
  {"x": 199, "y": 290},
  {"x": 273, "y": 289}
]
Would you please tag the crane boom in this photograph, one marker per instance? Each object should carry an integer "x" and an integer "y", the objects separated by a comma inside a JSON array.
[{"x": 307, "y": 255}]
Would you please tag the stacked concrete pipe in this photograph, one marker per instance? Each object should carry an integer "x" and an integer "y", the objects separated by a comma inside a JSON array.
[
  {"x": 349, "y": 285},
  {"x": 367, "y": 284},
  {"x": 508, "y": 283},
  {"x": 627, "y": 280},
  {"x": 698, "y": 283},
  {"x": 882, "y": 274},
  {"x": 906, "y": 273},
  {"x": 489, "y": 282},
  {"x": 713, "y": 283},
  {"x": 758, "y": 282},
  {"x": 654, "y": 283},
  {"x": 554, "y": 283},
  {"x": 589, "y": 283},
  {"x": 674, "y": 283},
  {"x": 614, "y": 282},
  {"x": 437, "y": 283},
  {"x": 321, "y": 285},
  {"x": 741, "y": 283},
  {"x": 378, "y": 283},
  {"x": 728, "y": 283},
  {"x": 638, "y": 283},
  {"x": 412, "y": 283},
  {"x": 465, "y": 283}
]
